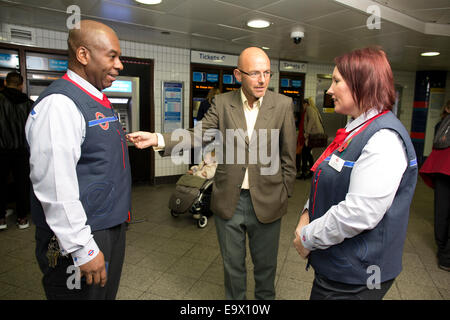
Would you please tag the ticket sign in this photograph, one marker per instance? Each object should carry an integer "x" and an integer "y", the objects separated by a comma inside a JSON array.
[
  {"x": 213, "y": 58},
  {"x": 290, "y": 66}
]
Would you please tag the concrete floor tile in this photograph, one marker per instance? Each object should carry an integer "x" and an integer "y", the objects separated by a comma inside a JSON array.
[
  {"x": 134, "y": 255},
  {"x": 159, "y": 261},
  {"x": 441, "y": 278},
  {"x": 412, "y": 291},
  {"x": 138, "y": 278},
  {"x": 151, "y": 296},
  {"x": 176, "y": 247},
  {"x": 411, "y": 260},
  {"x": 393, "y": 293},
  {"x": 445, "y": 293},
  {"x": 291, "y": 289},
  {"x": 415, "y": 277},
  {"x": 188, "y": 267},
  {"x": 203, "y": 290},
  {"x": 203, "y": 252},
  {"x": 214, "y": 274},
  {"x": 190, "y": 234},
  {"x": 145, "y": 226},
  {"x": 9, "y": 263},
  {"x": 172, "y": 286},
  {"x": 27, "y": 276},
  {"x": 24, "y": 294},
  {"x": 296, "y": 271},
  {"x": 127, "y": 293}
]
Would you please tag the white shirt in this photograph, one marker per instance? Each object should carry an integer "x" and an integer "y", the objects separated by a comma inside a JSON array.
[
  {"x": 251, "y": 114},
  {"x": 374, "y": 181},
  {"x": 55, "y": 134}
]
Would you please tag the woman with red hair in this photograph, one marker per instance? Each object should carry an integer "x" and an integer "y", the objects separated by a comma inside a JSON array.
[{"x": 353, "y": 227}]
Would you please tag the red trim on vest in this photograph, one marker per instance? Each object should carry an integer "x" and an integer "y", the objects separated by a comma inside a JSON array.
[
  {"x": 420, "y": 104},
  {"x": 105, "y": 102},
  {"x": 342, "y": 144},
  {"x": 417, "y": 135}
]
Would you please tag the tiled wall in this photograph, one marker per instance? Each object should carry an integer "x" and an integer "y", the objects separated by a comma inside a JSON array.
[{"x": 174, "y": 64}]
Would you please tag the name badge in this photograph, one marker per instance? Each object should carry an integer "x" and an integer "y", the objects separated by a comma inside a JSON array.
[{"x": 336, "y": 163}]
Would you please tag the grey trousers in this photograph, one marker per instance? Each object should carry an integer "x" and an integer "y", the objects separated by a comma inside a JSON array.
[{"x": 263, "y": 244}]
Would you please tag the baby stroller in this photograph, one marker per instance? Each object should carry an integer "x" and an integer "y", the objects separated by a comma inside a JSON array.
[{"x": 192, "y": 194}]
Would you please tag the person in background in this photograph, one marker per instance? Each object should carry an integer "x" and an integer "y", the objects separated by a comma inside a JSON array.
[
  {"x": 247, "y": 200},
  {"x": 436, "y": 174},
  {"x": 300, "y": 143},
  {"x": 353, "y": 227},
  {"x": 206, "y": 104},
  {"x": 80, "y": 172},
  {"x": 14, "y": 109},
  {"x": 205, "y": 169},
  {"x": 312, "y": 124}
]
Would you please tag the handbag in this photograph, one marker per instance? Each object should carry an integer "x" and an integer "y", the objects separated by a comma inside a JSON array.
[
  {"x": 317, "y": 140},
  {"x": 442, "y": 137}
]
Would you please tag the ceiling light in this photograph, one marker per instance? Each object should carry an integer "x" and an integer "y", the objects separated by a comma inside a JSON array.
[
  {"x": 149, "y": 1},
  {"x": 430, "y": 54},
  {"x": 265, "y": 48},
  {"x": 258, "y": 23}
]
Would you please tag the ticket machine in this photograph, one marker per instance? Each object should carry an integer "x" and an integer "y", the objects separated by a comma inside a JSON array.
[
  {"x": 42, "y": 70},
  {"x": 9, "y": 61},
  {"x": 124, "y": 97}
]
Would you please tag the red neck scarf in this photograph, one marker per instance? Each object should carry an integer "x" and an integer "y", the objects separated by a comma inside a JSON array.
[{"x": 338, "y": 141}]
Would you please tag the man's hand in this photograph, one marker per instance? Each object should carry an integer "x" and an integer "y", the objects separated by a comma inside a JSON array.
[
  {"x": 142, "y": 139},
  {"x": 94, "y": 270},
  {"x": 304, "y": 220}
]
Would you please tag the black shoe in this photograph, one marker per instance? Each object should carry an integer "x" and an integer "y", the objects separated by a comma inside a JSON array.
[
  {"x": 300, "y": 176},
  {"x": 445, "y": 268}
]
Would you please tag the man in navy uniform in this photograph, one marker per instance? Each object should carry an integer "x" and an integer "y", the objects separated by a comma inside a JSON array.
[{"x": 80, "y": 171}]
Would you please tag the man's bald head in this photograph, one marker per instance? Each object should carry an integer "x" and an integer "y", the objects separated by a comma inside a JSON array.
[
  {"x": 250, "y": 54},
  {"x": 88, "y": 34},
  {"x": 94, "y": 53}
]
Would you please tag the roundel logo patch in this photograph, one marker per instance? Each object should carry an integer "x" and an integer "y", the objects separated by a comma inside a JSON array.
[
  {"x": 91, "y": 252},
  {"x": 104, "y": 126}
]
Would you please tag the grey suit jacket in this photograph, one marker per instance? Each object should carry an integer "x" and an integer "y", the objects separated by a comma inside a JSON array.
[{"x": 271, "y": 183}]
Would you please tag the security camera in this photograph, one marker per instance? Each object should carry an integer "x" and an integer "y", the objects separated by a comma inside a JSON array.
[{"x": 297, "y": 36}]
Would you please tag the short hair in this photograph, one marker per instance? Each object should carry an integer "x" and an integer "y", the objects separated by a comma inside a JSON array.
[
  {"x": 368, "y": 74},
  {"x": 13, "y": 79}
]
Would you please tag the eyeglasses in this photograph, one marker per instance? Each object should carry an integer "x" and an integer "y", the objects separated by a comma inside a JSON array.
[{"x": 257, "y": 74}]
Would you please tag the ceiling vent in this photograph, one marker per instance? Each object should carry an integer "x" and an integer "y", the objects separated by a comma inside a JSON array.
[{"x": 22, "y": 35}]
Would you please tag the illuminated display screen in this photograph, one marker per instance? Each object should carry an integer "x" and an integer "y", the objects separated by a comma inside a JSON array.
[
  {"x": 198, "y": 77},
  {"x": 296, "y": 83},
  {"x": 212, "y": 77},
  {"x": 9, "y": 60},
  {"x": 228, "y": 79},
  {"x": 285, "y": 83},
  {"x": 120, "y": 86}
]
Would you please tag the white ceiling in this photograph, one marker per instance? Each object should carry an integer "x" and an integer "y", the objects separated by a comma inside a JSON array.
[{"x": 332, "y": 27}]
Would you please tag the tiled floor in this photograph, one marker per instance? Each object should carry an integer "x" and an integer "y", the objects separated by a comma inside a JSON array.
[{"x": 170, "y": 258}]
